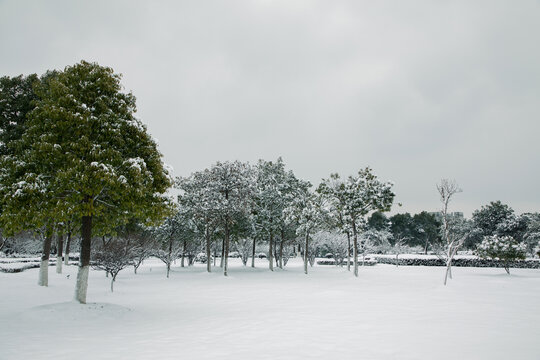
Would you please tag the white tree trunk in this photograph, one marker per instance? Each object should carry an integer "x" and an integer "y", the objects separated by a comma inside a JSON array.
[
  {"x": 58, "y": 264},
  {"x": 82, "y": 284},
  {"x": 43, "y": 273}
]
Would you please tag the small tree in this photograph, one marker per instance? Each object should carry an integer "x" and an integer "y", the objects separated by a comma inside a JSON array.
[
  {"x": 504, "y": 248},
  {"x": 113, "y": 256},
  {"x": 307, "y": 213},
  {"x": 447, "y": 189},
  {"x": 168, "y": 236}
]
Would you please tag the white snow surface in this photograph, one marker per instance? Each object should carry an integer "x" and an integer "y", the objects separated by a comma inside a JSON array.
[{"x": 387, "y": 312}]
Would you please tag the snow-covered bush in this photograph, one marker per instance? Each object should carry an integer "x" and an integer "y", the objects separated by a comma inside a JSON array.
[{"x": 504, "y": 248}]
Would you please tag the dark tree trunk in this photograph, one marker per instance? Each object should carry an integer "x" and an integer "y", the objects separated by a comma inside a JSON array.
[
  {"x": 253, "y": 254},
  {"x": 169, "y": 257},
  {"x": 281, "y": 249},
  {"x": 215, "y": 254},
  {"x": 68, "y": 243},
  {"x": 271, "y": 253},
  {"x": 226, "y": 249},
  {"x": 222, "y": 253},
  {"x": 84, "y": 260},
  {"x": 60, "y": 247},
  {"x": 183, "y": 252},
  {"x": 208, "y": 254},
  {"x": 348, "y": 251}
]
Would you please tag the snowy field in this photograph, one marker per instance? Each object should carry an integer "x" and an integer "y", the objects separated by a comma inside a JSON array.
[{"x": 386, "y": 313}]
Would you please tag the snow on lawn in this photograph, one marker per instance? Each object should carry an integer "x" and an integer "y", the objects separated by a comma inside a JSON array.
[{"x": 385, "y": 313}]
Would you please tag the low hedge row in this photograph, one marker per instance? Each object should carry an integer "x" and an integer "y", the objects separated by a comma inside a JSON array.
[{"x": 520, "y": 264}]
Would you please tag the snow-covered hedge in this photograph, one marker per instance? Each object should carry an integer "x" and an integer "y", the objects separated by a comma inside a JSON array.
[
  {"x": 462, "y": 262},
  {"x": 366, "y": 262}
]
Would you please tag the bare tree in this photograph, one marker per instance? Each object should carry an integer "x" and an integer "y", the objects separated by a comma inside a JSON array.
[
  {"x": 114, "y": 255},
  {"x": 447, "y": 189},
  {"x": 399, "y": 244}
]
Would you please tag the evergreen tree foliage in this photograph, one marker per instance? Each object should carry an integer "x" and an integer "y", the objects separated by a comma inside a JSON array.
[
  {"x": 490, "y": 216},
  {"x": 504, "y": 248},
  {"x": 84, "y": 154}
]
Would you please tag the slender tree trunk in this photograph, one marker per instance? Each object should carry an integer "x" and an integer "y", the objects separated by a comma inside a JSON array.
[
  {"x": 447, "y": 272},
  {"x": 183, "y": 252},
  {"x": 253, "y": 254},
  {"x": 222, "y": 253},
  {"x": 426, "y": 246},
  {"x": 226, "y": 249},
  {"x": 271, "y": 252},
  {"x": 348, "y": 251},
  {"x": 44, "y": 265},
  {"x": 169, "y": 257},
  {"x": 60, "y": 247},
  {"x": 281, "y": 251},
  {"x": 84, "y": 260},
  {"x": 208, "y": 254},
  {"x": 355, "y": 249},
  {"x": 135, "y": 267},
  {"x": 306, "y": 254},
  {"x": 215, "y": 255},
  {"x": 112, "y": 281},
  {"x": 68, "y": 243}
]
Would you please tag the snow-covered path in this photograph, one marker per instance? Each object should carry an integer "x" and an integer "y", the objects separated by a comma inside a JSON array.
[{"x": 386, "y": 313}]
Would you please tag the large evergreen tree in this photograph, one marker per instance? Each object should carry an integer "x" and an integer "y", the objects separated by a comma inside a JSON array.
[{"x": 84, "y": 153}]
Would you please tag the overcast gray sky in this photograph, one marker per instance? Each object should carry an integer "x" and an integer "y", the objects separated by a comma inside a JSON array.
[{"x": 417, "y": 90}]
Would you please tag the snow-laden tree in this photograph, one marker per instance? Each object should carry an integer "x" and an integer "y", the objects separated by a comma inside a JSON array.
[
  {"x": 85, "y": 155},
  {"x": 201, "y": 202},
  {"x": 113, "y": 255},
  {"x": 335, "y": 242},
  {"x": 532, "y": 234},
  {"x": 504, "y": 248},
  {"x": 490, "y": 216},
  {"x": 170, "y": 237},
  {"x": 20, "y": 181},
  {"x": 426, "y": 230},
  {"x": 306, "y": 211},
  {"x": 273, "y": 193},
  {"x": 334, "y": 194},
  {"x": 231, "y": 185},
  {"x": 16, "y": 101},
  {"x": 362, "y": 195},
  {"x": 453, "y": 237},
  {"x": 374, "y": 240},
  {"x": 514, "y": 226},
  {"x": 244, "y": 248}
]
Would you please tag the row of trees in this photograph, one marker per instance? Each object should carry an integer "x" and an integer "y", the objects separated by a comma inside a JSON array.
[
  {"x": 422, "y": 231},
  {"x": 238, "y": 203}
]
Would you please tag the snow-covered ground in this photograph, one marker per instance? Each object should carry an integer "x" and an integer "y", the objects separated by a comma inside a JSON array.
[{"x": 385, "y": 313}]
